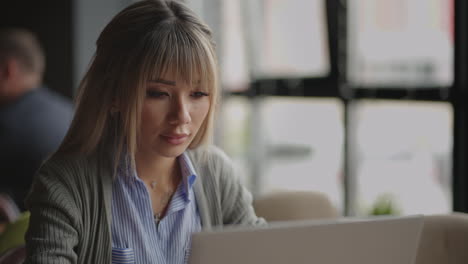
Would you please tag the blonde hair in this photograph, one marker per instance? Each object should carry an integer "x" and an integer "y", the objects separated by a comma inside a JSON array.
[{"x": 143, "y": 42}]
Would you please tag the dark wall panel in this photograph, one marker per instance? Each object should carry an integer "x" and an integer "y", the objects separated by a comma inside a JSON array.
[{"x": 51, "y": 21}]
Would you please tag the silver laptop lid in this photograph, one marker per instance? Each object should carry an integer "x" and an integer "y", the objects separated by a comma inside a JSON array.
[{"x": 382, "y": 240}]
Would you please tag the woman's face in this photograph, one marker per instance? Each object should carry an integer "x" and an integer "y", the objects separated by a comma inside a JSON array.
[{"x": 172, "y": 114}]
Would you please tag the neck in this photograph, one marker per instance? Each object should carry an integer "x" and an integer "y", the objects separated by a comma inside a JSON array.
[{"x": 162, "y": 170}]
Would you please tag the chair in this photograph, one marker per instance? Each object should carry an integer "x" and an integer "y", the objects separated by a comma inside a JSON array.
[
  {"x": 15, "y": 255},
  {"x": 444, "y": 239},
  {"x": 294, "y": 205}
]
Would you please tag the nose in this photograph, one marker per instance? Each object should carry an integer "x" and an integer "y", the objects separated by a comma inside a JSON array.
[{"x": 180, "y": 112}]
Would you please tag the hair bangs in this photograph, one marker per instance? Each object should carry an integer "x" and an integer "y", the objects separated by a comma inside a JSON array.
[{"x": 184, "y": 55}]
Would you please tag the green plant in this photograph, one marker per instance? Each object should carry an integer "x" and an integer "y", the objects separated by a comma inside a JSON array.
[
  {"x": 13, "y": 235},
  {"x": 385, "y": 204}
]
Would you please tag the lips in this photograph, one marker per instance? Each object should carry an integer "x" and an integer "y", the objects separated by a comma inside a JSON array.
[{"x": 175, "y": 139}]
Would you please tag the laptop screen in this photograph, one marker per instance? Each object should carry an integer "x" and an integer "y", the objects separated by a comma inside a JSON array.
[{"x": 383, "y": 240}]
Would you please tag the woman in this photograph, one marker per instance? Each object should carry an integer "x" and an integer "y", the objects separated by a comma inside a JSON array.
[{"x": 134, "y": 177}]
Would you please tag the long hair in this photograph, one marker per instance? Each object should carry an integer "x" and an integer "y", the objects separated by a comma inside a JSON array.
[{"x": 143, "y": 42}]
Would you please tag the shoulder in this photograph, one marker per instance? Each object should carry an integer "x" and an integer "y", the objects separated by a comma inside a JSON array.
[
  {"x": 46, "y": 113},
  {"x": 49, "y": 107},
  {"x": 210, "y": 159},
  {"x": 53, "y": 100},
  {"x": 56, "y": 181},
  {"x": 65, "y": 165},
  {"x": 71, "y": 172},
  {"x": 65, "y": 179},
  {"x": 214, "y": 167},
  {"x": 208, "y": 155}
]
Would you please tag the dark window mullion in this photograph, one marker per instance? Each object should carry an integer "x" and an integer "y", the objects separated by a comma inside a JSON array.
[
  {"x": 426, "y": 94},
  {"x": 460, "y": 99}
]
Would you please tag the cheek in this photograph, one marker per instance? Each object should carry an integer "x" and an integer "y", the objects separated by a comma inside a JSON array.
[
  {"x": 146, "y": 114},
  {"x": 150, "y": 119},
  {"x": 201, "y": 112}
]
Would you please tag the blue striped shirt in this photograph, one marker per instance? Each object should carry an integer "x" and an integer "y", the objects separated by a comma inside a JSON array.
[{"x": 136, "y": 238}]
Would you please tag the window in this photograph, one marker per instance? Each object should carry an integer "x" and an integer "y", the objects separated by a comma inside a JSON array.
[
  {"x": 402, "y": 151},
  {"x": 297, "y": 143},
  {"x": 290, "y": 39},
  {"x": 234, "y": 134},
  {"x": 400, "y": 43}
]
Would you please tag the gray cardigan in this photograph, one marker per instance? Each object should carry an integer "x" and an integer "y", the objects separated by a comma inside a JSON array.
[{"x": 70, "y": 205}]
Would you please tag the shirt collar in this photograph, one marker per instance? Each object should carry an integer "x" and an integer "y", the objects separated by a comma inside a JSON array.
[{"x": 188, "y": 172}]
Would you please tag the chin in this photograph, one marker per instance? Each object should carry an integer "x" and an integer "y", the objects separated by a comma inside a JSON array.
[{"x": 172, "y": 152}]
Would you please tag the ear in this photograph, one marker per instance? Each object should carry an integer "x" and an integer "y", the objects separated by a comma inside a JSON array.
[
  {"x": 9, "y": 69},
  {"x": 3, "y": 70}
]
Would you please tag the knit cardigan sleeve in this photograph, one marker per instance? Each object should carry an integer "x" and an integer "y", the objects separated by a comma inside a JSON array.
[
  {"x": 225, "y": 201},
  {"x": 55, "y": 225},
  {"x": 70, "y": 212},
  {"x": 236, "y": 200}
]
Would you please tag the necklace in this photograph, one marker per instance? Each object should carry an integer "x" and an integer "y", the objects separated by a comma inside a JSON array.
[
  {"x": 166, "y": 197},
  {"x": 153, "y": 184},
  {"x": 157, "y": 217}
]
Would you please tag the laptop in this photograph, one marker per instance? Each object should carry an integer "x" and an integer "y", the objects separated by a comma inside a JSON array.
[{"x": 378, "y": 240}]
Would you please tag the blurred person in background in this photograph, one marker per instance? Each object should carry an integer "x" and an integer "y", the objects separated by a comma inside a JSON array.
[
  {"x": 33, "y": 119},
  {"x": 136, "y": 174}
]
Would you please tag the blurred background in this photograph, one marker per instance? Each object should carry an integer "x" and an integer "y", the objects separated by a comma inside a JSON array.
[{"x": 362, "y": 100}]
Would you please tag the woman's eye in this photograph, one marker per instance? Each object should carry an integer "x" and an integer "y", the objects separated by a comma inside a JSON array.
[
  {"x": 199, "y": 94},
  {"x": 156, "y": 94}
]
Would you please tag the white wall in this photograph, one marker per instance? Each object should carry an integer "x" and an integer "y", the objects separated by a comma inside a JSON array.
[{"x": 90, "y": 17}]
